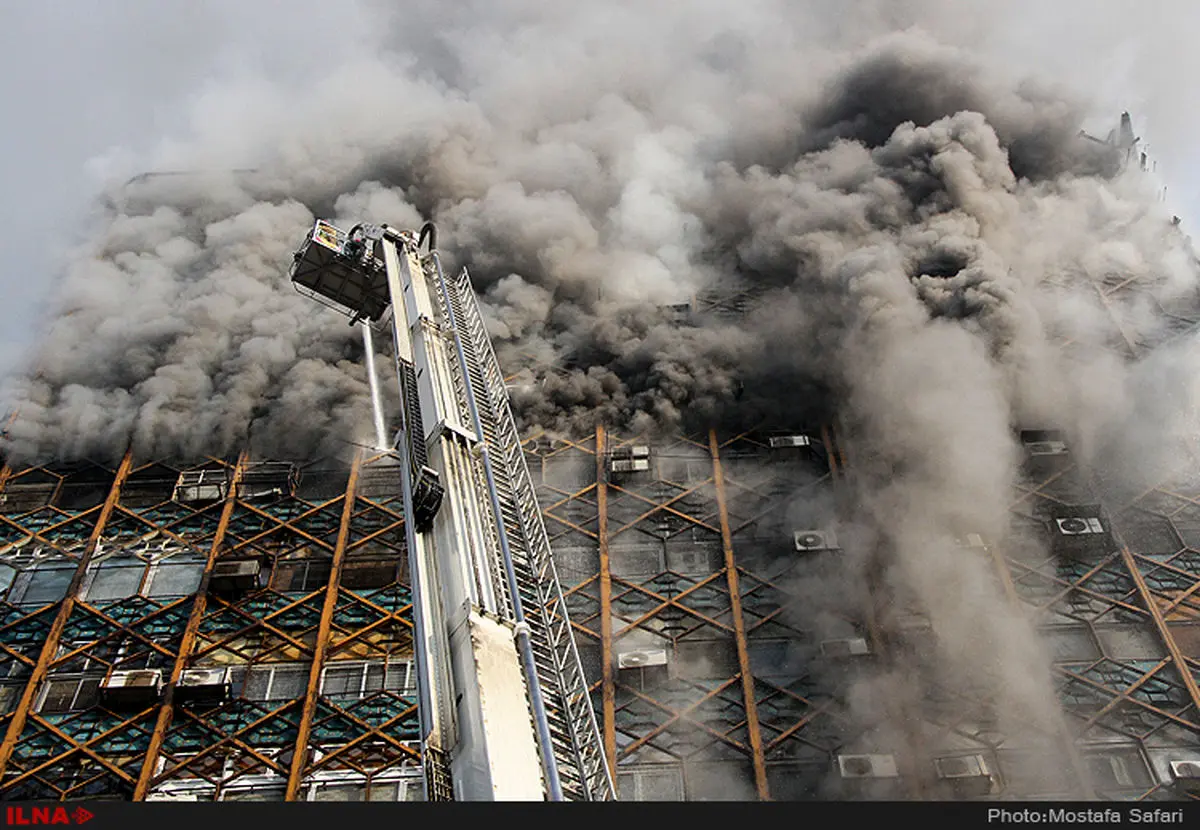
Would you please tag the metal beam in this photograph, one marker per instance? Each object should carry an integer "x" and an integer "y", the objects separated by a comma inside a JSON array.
[
  {"x": 608, "y": 690},
  {"x": 1160, "y": 623},
  {"x": 313, "y": 690},
  {"x": 739, "y": 626},
  {"x": 167, "y": 711},
  {"x": 17, "y": 725}
]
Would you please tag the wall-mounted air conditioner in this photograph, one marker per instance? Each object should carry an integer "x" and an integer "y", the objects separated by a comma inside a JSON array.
[
  {"x": 867, "y": 766},
  {"x": 203, "y": 686},
  {"x": 1045, "y": 448},
  {"x": 971, "y": 541},
  {"x": 1080, "y": 529},
  {"x": 1188, "y": 771},
  {"x": 641, "y": 658},
  {"x": 1044, "y": 445},
  {"x": 854, "y": 647},
  {"x": 233, "y": 576},
  {"x": 779, "y": 442},
  {"x": 268, "y": 479},
  {"x": 630, "y": 459},
  {"x": 812, "y": 541},
  {"x": 962, "y": 766},
  {"x": 201, "y": 486},
  {"x": 139, "y": 687},
  {"x": 966, "y": 774},
  {"x": 1079, "y": 526}
]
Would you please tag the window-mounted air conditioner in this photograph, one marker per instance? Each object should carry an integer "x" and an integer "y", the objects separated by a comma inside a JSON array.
[
  {"x": 854, "y": 647},
  {"x": 203, "y": 686},
  {"x": 234, "y": 576},
  {"x": 867, "y": 766},
  {"x": 201, "y": 486},
  {"x": 139, "y": 687},
  {"x": 811, "y": 541},
  {"x": 264, "y": 479},
  {"x": 641, "y": 658}
]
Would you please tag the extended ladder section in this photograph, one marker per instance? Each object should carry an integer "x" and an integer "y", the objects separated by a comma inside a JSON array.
[
  {"x": 574, "y": 733},
  {"x": 506, "y": 712}
]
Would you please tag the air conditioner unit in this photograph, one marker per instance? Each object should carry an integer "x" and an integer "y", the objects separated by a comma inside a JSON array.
[
  {"x": 140, "y": 687},
  {"x": 854, "y": 647},
  {"x": 641, "y": 658},
  {"x": 264, "y": 479},
  {"x": 630, "y": 459},
  {"x": 1186, "y": 771},
  {"x": 234, "y": 576},
  {"x": 1079, "y": 526},
  {"x": 809, "y": 541},
  {"x": 1046, "y": 448},
  {"x": 777, "y": 442},
  {"x": 203, "y": 686},
  {"x": 677, "y": 313},
  {"x": 962, "y": 766},
  {"x": 201, "y": 486},
  {"x": 867, "y": 766},
  {"x": 971, "y": 540}
]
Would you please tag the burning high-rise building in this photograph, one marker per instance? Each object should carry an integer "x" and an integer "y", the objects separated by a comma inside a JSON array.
[{"x": 854, "y": 387}]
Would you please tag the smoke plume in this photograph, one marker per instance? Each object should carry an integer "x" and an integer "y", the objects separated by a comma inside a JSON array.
[{"x": 920, "y": 239}]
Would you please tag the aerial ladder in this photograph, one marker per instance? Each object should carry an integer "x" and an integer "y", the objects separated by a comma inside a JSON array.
[{"x": 505, "y": 708}]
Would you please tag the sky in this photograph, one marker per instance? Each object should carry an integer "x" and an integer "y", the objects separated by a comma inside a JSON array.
[{"x": 100, "y": 90}]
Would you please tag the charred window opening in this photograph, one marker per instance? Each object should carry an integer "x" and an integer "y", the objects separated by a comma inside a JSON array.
[{"x": 941, "y": 264}]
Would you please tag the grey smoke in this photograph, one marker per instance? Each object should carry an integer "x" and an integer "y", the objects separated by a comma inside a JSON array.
[{"x": 920, "y": 234}]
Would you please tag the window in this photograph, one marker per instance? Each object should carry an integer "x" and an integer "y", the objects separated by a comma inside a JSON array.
[
  {"x": 48, "y": 582},
  {"x": 13, "y": 677},
  {"x": 285, "y": 681},
  {"x": 407, "y": 789},
  {"x": 350, "y": 682},
  {"x": 7, "y": 574},
  {"x": 115, "y": 578},
  {"x": 368, "y": 573},
  {"x": 70, "y": 694},
  {"x": 258, "y": 793},
  {"x": 650, "y": 783},
  {"x": 1121, "y": 768},
  {"x": 301, "y": 575},
  {"x": 178, "y": 576}
]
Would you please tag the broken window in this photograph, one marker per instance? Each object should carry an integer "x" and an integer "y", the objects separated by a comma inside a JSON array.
[{"x": 70, "y": 694}]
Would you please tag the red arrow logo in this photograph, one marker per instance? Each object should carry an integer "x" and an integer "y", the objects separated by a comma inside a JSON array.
[{"x": 81, "y": 815}]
